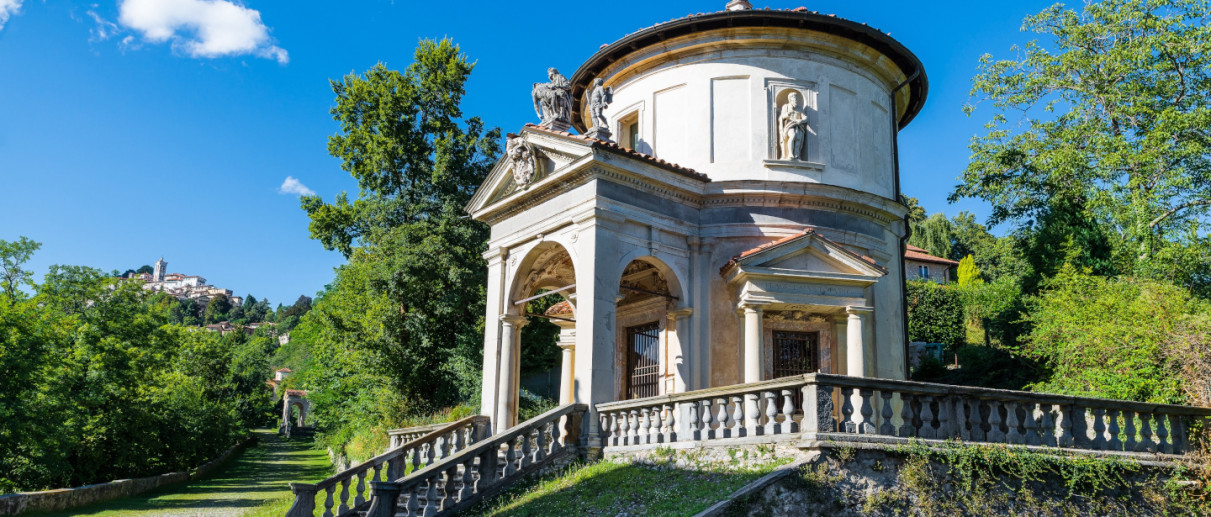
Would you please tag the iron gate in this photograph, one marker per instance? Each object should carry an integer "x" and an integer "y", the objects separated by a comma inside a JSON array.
[{"x": 643, "y": 360}]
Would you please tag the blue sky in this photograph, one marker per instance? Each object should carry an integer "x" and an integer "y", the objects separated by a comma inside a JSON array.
[{"x": 134, "y": 129}]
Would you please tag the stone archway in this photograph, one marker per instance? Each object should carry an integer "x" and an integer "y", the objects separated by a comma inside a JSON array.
[
  {"x": 649, "y": 355},
  {"x": 295, "y": 400}
]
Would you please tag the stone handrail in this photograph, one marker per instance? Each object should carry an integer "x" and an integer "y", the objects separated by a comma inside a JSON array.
[
  {"x": 401, "y": 436},
  {"x": 817, "y": 408},
  {"x": 409, "y": 457},
  {"x": 461, "y": 480}
]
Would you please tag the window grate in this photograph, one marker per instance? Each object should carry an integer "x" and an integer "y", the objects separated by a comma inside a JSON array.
[{"x": 643, "y": 360}]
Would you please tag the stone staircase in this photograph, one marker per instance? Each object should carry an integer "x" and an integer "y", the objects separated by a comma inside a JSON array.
[{"x": 447, "y": 470}]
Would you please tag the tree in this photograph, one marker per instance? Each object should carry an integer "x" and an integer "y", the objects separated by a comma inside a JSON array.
[
  {"x": 1109, "y": 116},
  {"x": 14, "y": 255},
  {"x": 934, "y": 235},
  {"x": 300, "y": 307},
  {"x": 417, "y": 163},
  {"x": 145, "y": 269},
  {"x": 969, "y": 274},
  {"x": 916, "y": 213},
  {"x": 217, "y": 308}
]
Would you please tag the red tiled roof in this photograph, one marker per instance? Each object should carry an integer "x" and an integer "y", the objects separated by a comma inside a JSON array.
[
  {"x": 282, "y": 370},
  {"x": 920, "y": 255},
  {"x": 618, "y": 149},
  {"x": 784, "y": 240},
  {"x": 296, "y": 393}
]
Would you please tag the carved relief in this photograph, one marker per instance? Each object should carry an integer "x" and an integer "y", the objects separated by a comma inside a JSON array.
[
  {"x": 792, "y": 129},
  {"x": 521, "y": 160}
]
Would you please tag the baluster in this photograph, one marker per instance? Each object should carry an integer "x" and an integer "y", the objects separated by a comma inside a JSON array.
[
  {"x": 359, "y": 495},
  {"x": 976, "y": 421},
  {"x": 525, "y": 449},
  {"x": 378, "y": 471},
  {"x": 645, "y": 425},
  {"x": 616, "y": 431},
  {"x": 1115, "y": 443},
  {"x": 557, "y": 435},
  {"x": 927, "y": 418},
  {"x": 771, "y": 412},
  {"x": 1032, "y": 425},
  {"x": 697, "y": 428},
  {"x": 945, "y": 407},
  {"x": 445, "y": 447},
  {"x": 446, "y": 495},
  {"x": 1014, "y": 435},
  {"x": 751, "y": 413},
  {"x": 722, "y": 417},
  {"x": 1080, "y": 426},
  {"x": 413, "y": 505},
  {"x": 328, "y": 502},
  {"x": 416, "y": 459},
  {"x": 961, "y": 411},
  {"x": 1099, "y": 428},
  {"x": 1067, "y": 437},
  {"x": 510, "y": 457},
  {"x": 906, "y": 416},
  {"x": 468, "y": 480},
  {"x": 738, "y": 416},
  {"x": 1129, "y": 431},
  {"x": 540, "y": 442},
  {"x": 657, "y": 425},
  {"x": 788, "y": 412},
  {"x": 670, "y": 423},
  {"x": 995, "y": 434},
  {"x": 1146, "y": 443},
  {"x": 1162, "y": 435},
  {"x": 886, "y": 428},
  {"x": 488, "y": 461},
  {"x": 344, "y": 496},
  {"x": 1047, "y": 425},
  {"x": 847, "y": 410},
  {"x": 1178, "y": 425},
  {"x": 708, "y": 416},
  {"x": 866, "y": 395},
  {"x": 431, "y": 501}
]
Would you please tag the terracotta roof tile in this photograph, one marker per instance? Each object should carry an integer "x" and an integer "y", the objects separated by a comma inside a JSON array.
[
  {"x": 618, "y": 149},
  {"x": 920, "y": 255},
  {"x": 296, "y": 393},
  {"x": 560, "y": 308}
]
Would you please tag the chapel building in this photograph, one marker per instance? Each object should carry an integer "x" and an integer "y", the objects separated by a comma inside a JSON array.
[{"x": 716, "y": 201}]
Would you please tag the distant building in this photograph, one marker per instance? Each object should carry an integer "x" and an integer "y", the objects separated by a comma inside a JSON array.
[
  {"x": 181, "y": 286},
  {"x": 920, "y": 265}
]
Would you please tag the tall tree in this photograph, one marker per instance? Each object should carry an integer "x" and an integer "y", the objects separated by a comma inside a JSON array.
[
  {"x": 417, "y": 163},
  {"x": 1110, "y": 112},
  {"x": 217, "y": 308},
  {"x": 13, "y": 256}
]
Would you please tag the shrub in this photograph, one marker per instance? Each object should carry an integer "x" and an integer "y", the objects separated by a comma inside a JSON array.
[{"x": 935, "y": 314}]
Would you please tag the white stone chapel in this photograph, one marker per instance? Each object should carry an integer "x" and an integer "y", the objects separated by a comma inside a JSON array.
[{"x": 727, "y": 211}]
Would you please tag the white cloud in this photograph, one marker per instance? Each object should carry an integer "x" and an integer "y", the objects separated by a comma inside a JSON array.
[
  {"x": 7, "y": 9},
  {"x": 201, "y": 28},
  {"x": 296, "y": 187},
  {"x": 104, "y": 30}
]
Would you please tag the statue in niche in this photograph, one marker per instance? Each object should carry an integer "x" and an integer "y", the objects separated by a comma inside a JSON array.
[
  {"x": 553, "y": 101},
  {"x": 792, "y": 129},
  {"x": 521, "y": 159},
  {"x": 599, "y": 99}
]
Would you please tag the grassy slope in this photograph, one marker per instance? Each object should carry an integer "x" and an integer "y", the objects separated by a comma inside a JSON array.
[
  {"x": 611, "y": 488},
  {"x": 253, "y": 484}
]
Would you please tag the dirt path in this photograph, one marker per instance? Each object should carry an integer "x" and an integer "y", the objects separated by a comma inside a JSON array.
[{"x": 252, "y": 484}]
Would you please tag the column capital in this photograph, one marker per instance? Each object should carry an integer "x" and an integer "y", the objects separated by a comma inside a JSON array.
[
  {"x": 514, "y": 320},
  {"x": 857, "y": 310},
  {"x": 681, "y": 313},
  {"x": 746, "y": 306}
]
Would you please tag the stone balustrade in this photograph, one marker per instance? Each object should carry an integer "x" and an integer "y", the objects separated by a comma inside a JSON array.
[
  {"x": 462, "y": 479},
  {"x": 346, "y": 492},
  {"x": 399, "y": 437},
  {"x": 815, "y": 409}
]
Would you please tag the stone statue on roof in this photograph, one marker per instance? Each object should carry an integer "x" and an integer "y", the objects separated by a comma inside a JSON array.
[
  {"x": 553, "y": 101},
  {"x": 599, "y": 99}
]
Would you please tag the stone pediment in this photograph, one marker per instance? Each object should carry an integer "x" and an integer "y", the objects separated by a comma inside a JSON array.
[
  {"x": 530, "y": 157},
  {"x": 806, "y": 256}
]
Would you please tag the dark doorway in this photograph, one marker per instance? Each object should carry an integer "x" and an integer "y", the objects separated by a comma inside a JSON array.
[
  {"x": 643, "y": 360},
  {"x": 795, "y": 353}
]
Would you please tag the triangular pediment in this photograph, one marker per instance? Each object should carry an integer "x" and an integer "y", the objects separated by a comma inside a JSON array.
[
  {"x": 805, "y": 256},
  {"x": 546, "y": 156}
]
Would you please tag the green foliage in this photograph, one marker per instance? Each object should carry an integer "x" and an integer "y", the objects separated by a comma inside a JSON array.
[
  {"x": 1115, "y": 338},
  {"x": 218, "y": 308},
  {"x": 934, "y": 234},
  {"x": 128, "y": 393},
  {"x": 1101, "y": 124},
  {"x": 13, "y": 255},
  {"x": 935, "y": 313},
  {"x": 969, "y": 274}
]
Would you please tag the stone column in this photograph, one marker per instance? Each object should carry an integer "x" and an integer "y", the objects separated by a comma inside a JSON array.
[
  {"x": 699, "y": 342},
  {"x": 677, "y": 348},
  {"x": 752, "y": 343},
  {"x": 855, "y": 337},
  {"x": 567, "y": 374},
  {"x": 596, "y": 256},
  {"x": 495, "y": 307},
  {"x": 507, "y": 386}
]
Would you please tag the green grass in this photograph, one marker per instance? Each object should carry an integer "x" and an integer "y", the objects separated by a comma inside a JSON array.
[
  {"x": 610, "y": 488},
  {"x": 252, "y": 484}
]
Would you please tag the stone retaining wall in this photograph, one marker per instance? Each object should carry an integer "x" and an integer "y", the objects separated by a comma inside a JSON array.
[{"x": 66, "y": 498}]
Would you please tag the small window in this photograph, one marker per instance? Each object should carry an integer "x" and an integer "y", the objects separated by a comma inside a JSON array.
[
  {"x": 629, "y": 127},
  {"x": 923, "y": 272}
]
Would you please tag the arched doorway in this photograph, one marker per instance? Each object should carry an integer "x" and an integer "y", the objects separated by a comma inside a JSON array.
[{"x": 649, "y": 354}]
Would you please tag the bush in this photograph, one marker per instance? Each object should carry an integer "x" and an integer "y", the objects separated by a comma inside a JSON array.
[{"x": 935, "y": 314}]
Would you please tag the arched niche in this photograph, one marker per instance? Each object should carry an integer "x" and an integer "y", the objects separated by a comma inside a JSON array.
[{"x": 648, "y": 292}]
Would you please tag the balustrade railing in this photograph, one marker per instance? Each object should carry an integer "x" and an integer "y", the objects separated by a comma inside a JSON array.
[
  {"x": 399, "y": 437},
  {"x": 346, "y": 492},
  {"x": 462, "y": 479},
  {"x": 839, "y": 408}
]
